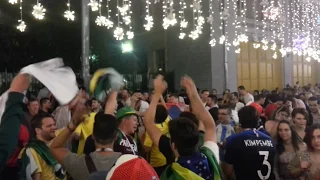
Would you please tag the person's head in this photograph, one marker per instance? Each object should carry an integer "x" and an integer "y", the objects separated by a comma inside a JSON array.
[
  {"x": 212, "y": 100},
  {"x": 312, "y": 138},
  {"x": 174, "y": 98},
  {"x": 260, "y": 99},
  {"x": 286, "y": 133},
  {"x": 255, "y": 92},
  {"x": 242, "y": 90},
  {"x": 300, "y": 117},
  {"x": 220, "y": 101},
  {"x": 184, "y": 136},
  {"x": 161, "y": 114},
  {"x": 302, "y": 96},
  {"x": 248, "y": 117},
  {"x": 190, "y": 116},
  {"x": 95, "y": 104},
  {"x": 33, "y": 106},
  {"x": 204, "y": 95},
  {"x": 128, "y": 120},
  {"x": 124, "y": 94},
  {"x": 214, "y": 91},
  {"x": 145, "y": 96},
  {"x": 227, "y": 91},
  {"x": 280, "y": 101},
  {"x": 281, "y": 113},
  {"x": 43, "y": 127},
  {"x": 313, "y": 104},
  {"x": 45, "y": 103},
  {"x": 224, "y": 114},
  {"x": 105, "y": 129}
]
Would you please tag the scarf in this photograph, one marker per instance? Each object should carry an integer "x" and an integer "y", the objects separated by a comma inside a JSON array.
[
  {"x": 43, "y": 150},
  {"x": 197, "y": 167}
]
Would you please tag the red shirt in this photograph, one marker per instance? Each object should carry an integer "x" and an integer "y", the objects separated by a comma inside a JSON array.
[
  {"x": 258, "y": 107},
  {"x": 22, "y": 141},
  {"x": 269, "y": 109}
]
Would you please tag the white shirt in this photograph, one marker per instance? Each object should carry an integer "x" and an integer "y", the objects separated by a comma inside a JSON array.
[{"x": 248, "y": 98}]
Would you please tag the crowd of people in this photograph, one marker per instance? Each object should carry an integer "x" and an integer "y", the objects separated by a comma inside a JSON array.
[{"x": 192, "y": 134}]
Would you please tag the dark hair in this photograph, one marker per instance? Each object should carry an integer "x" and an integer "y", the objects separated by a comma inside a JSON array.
[
  {"x": 43, "y": 101},
  {"x": 174, "y": 95},
  {"x": 309, "y": 135},
  {"x": 235, "y": 94},
  {"x": 185, "y": 135},
  {"x": 302, "y": 111},
  {"x": 203, "y": 91},
  {"x": 241, "y": 88},
  {"x": 278, "y": 110},
  {"x": 313, "y": 98},
  {"x": 294, "y": 138},
  {"x": 161, "y": 114},
  {"x": 258, "y": 97},
  {"x": 274, "y": 98},
  {"x": 32, "y": 99},
  {"x": 36, "y": 122},
  {"x": 256, "y": 91},
  {"x": 226, "y": 107},
  {"x": 248, "y": 117},
  {"x": 190, "y": 116},
  {"x": 105, "y": 128},
  {"x": 214, "y": 90},
  {"x": 213, "y": 98}
]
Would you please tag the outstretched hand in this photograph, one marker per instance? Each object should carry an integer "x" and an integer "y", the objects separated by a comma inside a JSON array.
[
  {"x": 188, "y": 84},
  {"x": 78, "y": 114},
  {"x": 160, "y": 85},
  {"x": 20, "y": 83}
]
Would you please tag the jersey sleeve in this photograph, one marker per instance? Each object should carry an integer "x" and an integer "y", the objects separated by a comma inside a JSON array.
[{"x": 147, "y": 141}]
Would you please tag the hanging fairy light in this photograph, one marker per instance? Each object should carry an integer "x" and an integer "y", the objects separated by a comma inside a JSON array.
[
  {"x": 108, "y": 22},
  {"x": 13, "y": 1},
  {"x": 126, "y": 17},
  {"x": 118, "y": 33},
  {"x": 100, "y": 20},
  {"x": 94, "y": 5},
  {"x": 264, "y": 4},
  {"x": 22, "y": 25},
  {"x": 225, "y": 18},
  {"x": 273, "y": 17},
  {"x": 256, "y": 43},
  {"x": 68, "y": 14},
  {"x": 235, "y": 24},
  {"x": 222, "y": 38},
  {"x": 212, "y": 41},
  {"x": 38, "y": 11},
  {"x": 169, "y": 17},
  {"x": 282, "y": 22},
  {"x": 183, "y": 22},
  {"x": 243, "y": 37},
  {"x": 198, "y": 19},
  {"x": 148, "y": 18}
]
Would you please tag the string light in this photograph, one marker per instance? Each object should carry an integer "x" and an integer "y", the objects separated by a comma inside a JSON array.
[
  {"x": 100, "y": 20},
  {"x": 264, "y": 40},
  {"x": 273, "y": 16},
  {"x": 212, "y": 41},
  {"x": 22, "y": 25},
  {"x": 13, "y": 1},
  {"x": 282, "y": 21},
  {"x": 169, "y": 18},
  {"x": 38, "y": 11},
  {"x": 118, "y": 33},
  {"x": 148, "y": 18},
  {"x": 243, "y": 37},
  {"x": 94, "y": 5},
  {"x": 222, "y": 37},
  {"x": 68, "y": 14},
  {"x": 236, "y": 42},
  {"x": 256, "y": 43},
  {"x": 198, "y": 19},
  {"x": 225, "y": 17},
  {"x": 127, "y": 18},
  {"x": 109, "y": 23},
  {"x": 183, "y": 22}
]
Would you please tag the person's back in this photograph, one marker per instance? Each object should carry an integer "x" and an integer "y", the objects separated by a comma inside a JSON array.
[{"x": 251, "y": 153}]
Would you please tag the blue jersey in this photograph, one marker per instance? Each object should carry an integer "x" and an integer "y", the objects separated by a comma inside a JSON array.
[{"x": 252, "y": 154}]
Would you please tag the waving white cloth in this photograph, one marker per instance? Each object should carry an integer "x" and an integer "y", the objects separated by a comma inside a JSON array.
[{"x": 60, "y": 80}]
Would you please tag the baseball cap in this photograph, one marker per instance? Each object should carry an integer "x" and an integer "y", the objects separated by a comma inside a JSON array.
[
  {"x": 125, "y": 111},
  {"x": 132, "y": 167}
]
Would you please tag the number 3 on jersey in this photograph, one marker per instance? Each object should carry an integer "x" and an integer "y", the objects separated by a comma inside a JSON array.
[{"x": 265, "y": 163}]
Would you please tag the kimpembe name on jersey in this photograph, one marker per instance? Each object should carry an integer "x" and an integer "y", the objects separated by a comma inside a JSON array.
[{"x": 262, "y": 143}]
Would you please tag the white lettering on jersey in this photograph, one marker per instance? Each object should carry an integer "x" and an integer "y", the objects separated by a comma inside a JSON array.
[
  {"x": 258, "y": 143},
  {"x": 127, "y": 144}
]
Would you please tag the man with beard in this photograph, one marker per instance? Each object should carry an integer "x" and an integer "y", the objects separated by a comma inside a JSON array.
[{"x": 37, "y": 161}]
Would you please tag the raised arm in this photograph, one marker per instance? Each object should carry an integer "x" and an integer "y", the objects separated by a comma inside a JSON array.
[
  {"x": 155, "y": 133},
  {"x": 10, "y": 120},
  {"x": 199, "y": 110}
]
